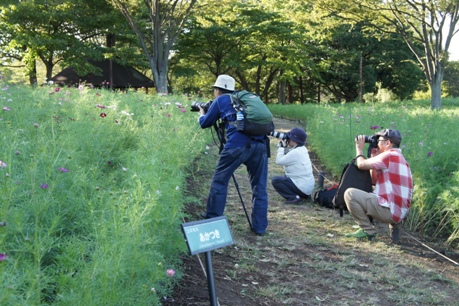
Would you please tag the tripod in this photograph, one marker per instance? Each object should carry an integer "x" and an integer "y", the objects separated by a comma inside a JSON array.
[{"x": 221, "y": 138}]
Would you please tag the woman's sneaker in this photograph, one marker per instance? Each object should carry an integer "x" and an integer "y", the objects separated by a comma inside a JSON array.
[{"x": 296, "y": 200}]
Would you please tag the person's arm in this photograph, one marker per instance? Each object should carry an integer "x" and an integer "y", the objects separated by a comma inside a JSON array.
[
  {"x": 360, "y": 161},
  {"x": 207, "y": 119}
]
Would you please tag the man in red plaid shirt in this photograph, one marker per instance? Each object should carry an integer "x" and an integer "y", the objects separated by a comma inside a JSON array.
[{"x": 391, "y": 198}]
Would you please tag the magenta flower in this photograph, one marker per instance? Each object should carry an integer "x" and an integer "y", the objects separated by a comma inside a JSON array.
[
  {"x": 183, "y": 110},
  {"x": 44, "y": 186},
  {"x": 57, "y": 89},
  {"x": 430, "y": 154},
  {"x": 3, "y": 164},
  {"x": 103, "y": 115},
  {"x": 6, "y": 108},
  {"x": 100, "y": 106},
  {"x": 170, "y": 272},
  {"x": 3, "y": 257},
  {"x": 374, "y": 127},
  {"x": 168, "y": 115},
  {"x": 80, "y": 87},
  {"x": 61, "y": 169}
]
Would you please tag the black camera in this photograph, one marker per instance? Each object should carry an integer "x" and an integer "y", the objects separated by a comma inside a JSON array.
[
  {"x": 204, "y": 105},
  {"x": 373, "y": 142},
  {"x": 280, "y": 135}
]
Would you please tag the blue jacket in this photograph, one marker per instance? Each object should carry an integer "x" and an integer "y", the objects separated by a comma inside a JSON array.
[{"x": 222, "y": 108}]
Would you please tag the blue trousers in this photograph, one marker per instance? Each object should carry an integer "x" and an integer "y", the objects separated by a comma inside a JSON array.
[{"x": 256, "y": 160}]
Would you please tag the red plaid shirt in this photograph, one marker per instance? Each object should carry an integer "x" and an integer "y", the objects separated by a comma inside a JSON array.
[{"x": 394, "y": 184}]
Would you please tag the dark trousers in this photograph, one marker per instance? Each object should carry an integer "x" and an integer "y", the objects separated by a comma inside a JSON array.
[
  {"x": 286, "y": 188},
  {"x": 255, "y": 159}
]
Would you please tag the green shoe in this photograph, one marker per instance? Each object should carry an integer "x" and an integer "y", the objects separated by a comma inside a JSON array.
[{"x": 360, "y": 234}]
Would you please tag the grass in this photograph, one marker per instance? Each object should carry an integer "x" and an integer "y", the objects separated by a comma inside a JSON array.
[
  {"x": 93, "y": 184},
  {"x": 92, "y": 187}
]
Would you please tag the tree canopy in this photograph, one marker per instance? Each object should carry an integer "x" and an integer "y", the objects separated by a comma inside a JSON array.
[{"x": 285, "y": 51}]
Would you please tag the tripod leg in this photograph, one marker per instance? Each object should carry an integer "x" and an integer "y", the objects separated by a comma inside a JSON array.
[{"x": 242, "y": 201}]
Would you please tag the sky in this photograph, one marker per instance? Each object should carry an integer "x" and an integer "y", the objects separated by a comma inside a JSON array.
[{"x": 454, "y": 48}]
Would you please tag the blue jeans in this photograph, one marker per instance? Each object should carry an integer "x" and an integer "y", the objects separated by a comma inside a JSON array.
[{"x": 256, "y": 161}]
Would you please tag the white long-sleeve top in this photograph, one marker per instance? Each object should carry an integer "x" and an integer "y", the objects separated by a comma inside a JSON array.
[{"x": 298, "y": 167}]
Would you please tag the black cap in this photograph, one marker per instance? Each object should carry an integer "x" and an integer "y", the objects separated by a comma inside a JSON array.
[{"x": 393, "y": 135}]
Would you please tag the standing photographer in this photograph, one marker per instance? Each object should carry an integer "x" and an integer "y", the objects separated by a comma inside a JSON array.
[
  {"x": 238, "y": 149},
  {"x": 391, "y": 198},
  {"x": 298, "y": 181}
]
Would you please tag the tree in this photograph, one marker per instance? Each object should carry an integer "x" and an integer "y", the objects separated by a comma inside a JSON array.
[
  {"x": 157, "y": 25},
  {"x": 245, "y": 40},
  {"x": 451, "y": 79},
  {"x": 65, "y": 32},
  {"x": 430, "y": 23}
]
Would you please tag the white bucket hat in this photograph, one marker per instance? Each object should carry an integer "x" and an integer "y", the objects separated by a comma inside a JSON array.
[{"x": 224, "y": 81}]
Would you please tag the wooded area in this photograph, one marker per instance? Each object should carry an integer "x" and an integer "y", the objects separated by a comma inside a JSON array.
[{"x": 291, "y": 51}]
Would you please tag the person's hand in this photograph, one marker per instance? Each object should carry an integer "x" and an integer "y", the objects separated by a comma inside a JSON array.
[
  {"x": 374, "y": 152},
  {"x": 280, "y": 144},
  {"x": 202, "y": 112},
  {"x": 360, "y": 142},
  {"x": 284, "y": 142}
]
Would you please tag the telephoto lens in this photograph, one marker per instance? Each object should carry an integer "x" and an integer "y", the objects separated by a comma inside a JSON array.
[{"x": 280, "y": 135}]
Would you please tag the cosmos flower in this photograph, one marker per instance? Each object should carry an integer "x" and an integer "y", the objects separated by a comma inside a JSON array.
[
  {"x": 103, "y": 115},
  {"x": 430, "y": 154},
  {"x": 3, "y": 257},
  {"x": 170, "y": 272},
  {"x": 44, "y": 186},
  {"x": 61, "y": 169}
]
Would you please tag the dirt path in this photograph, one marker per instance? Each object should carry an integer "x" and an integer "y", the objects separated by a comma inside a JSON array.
[{"x": 306, "y": 260}]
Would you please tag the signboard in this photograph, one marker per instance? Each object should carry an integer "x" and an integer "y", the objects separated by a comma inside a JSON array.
[{"x": 207, "y": 235}]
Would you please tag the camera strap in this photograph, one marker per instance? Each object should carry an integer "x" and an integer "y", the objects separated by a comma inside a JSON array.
[{"x": 219, "y": 127}]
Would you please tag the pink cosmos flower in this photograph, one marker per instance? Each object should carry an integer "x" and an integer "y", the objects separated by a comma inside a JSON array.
[
  {"x": 183, "y": 110},
  {"x": 44, "y": 186},
  {"x": 3, "y": 164},
  {"x": 430, "y": 154},
  {"x": 6, "y": 108},
  {"x": 61, "y": 169},
  {"x": 374, "y": 127},
  {"x": 100, "y": 106},
  {"x": 168, "y": 115},
  {"x": 3, "y": 257},
  {"x": 57, "y": 89},
  {"x": 170, "y": 272}
]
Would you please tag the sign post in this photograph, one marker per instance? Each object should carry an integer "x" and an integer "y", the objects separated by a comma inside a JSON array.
[{"x": 205, "y": 236}]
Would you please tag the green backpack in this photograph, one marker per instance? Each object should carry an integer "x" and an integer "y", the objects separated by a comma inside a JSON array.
[{"x": 258, "y": 120}]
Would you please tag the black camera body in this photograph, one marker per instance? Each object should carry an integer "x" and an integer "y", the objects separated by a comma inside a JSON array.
[
  {"x": 279, "y": 135},
  {"x": 373, "y": 142},
  {"x": 204, "y": 105}
]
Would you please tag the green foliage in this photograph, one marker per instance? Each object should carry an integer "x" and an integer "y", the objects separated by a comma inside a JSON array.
[
  {"x": 451, "y": 79},
  {"x": 92, "y": 189},
  {"x": 429, "y": 145}
]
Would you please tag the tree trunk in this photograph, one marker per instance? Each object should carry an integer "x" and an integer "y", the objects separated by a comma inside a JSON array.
[
  {"x": 435, "y": 88},
  {"x": 33, "y": 72},
  {"x": 160, "y": 75},
  {"x": 282, "y": 92}
]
